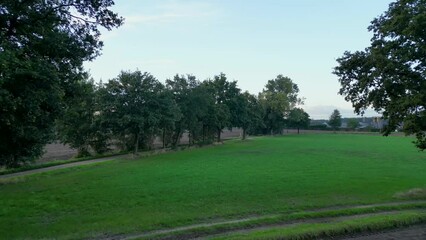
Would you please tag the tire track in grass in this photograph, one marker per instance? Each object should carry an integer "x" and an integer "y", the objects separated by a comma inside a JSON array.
[
  {"x": 416, "y": 232},
  {"x": 61, "y": 166},
  {"x": 290, "y": 224},
  {"x": 170, "y": 233}
]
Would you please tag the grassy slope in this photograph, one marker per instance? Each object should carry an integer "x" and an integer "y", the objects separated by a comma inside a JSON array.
[{"x": 265, "y": 175}]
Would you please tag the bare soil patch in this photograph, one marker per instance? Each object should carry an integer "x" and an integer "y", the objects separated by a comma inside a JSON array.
[
  {"x": 59, "y": 151},
  {"x": 417, "y": 232},
  {"x": 415, "y": 193}
]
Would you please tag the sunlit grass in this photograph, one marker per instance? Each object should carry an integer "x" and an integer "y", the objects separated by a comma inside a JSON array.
[{"x": 237, "y": 179}]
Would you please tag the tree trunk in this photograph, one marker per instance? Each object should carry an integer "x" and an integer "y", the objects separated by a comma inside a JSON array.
[
  {"x": 298, "y": 130},
  {"x": 219, "y": 131},
  {"x": 136, "y": 144},
  {"x": 15, "y": 162},
  {"x": 204, "y": 134},
  {"x": 164, "y": 138},
  {"x": 83, "y": 151},
  {"x": 177, "y": 136},
  {"x": 244, "y": 134}
]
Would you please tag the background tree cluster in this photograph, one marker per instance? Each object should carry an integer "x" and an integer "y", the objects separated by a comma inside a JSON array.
[
  {"x": 44, "y": 89},
  {"x": 134, "y": 108},
  {"x": 335, "y": 120},
  {"x": 45, "y": 94}
]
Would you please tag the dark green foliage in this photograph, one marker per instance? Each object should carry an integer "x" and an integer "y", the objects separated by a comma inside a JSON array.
[
  {"x": 335, "y": 120},
  {"x": 74, "y": 126},
  {"x": 250, "y": 115},
  {"x": 194, "y": 102},
  {"x": 126, "y": 104},
  {"x": 298, "y": 118},
  {"x": 170, "y": 114},
  {"x": 79, "y": 125},
  {"x": 389, "y": 75},
  {"x": 211, "y": 106},
  {"x": 42, "y": 48},
  {"x": 224, "y": 111},
  {"x": 278, "y": 98},
  {"x": 135, "y": 107},
  {"x": 29, "y": 102}
]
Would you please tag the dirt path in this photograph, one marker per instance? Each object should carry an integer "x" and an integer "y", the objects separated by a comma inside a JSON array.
[
  {"x": 62, "y": 166},
  {"x": 60, "y": 151},
  {"x": 286, "y": 224},
  {"x": 303, "y": 221},
  {"x": 417, "y": 232}
]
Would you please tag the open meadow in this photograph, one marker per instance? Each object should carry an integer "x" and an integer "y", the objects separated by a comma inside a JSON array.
[{"x": 263, "y": 176}]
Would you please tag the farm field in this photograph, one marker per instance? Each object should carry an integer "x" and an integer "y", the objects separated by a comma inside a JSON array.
[{"x": 263, "y": 176}]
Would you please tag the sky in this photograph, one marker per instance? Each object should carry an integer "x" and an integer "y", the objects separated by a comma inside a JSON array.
[{"x": 251, "y": 41}]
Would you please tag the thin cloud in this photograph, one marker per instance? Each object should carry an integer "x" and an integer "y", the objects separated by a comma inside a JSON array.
[
  {"x": 151, "y": 63},
  {"x": 173, "y": 11},
  {"x": 158, "y": 62}
]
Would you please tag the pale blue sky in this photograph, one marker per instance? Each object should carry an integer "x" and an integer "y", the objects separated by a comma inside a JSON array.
[{"x": 251, "y": 41}]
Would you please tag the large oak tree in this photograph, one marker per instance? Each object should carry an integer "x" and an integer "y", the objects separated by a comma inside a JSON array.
[
  {"x": 335, "y": 120},
  {"x": 43, "y": 44},
  {"x": 298, "y": 118},
  {"x": 278, "y": 98},
  {"x": 390, "y": 75},
  {"x": 135, "y": 107}
]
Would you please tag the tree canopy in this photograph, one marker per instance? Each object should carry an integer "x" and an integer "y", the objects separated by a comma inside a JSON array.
[
  {"x": 78, "y": 123},
  {"x": 390, "y": 75},
  {"x": 298, "y": 118},
  {"x": 335, "y": 120},
  {"x": 45, "y": 93},
  {"x": 43, "y": 44},
  {"x": 250, "y": 115},
  {"x": 135, "y": 106},
  {"x": 278, "y": 97}
]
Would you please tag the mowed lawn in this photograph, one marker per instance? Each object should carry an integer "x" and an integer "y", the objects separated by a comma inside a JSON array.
[{"x": 260, "y": 176}]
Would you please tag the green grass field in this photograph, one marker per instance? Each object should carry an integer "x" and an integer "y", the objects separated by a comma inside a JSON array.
[{"x": 265, "y": 175}]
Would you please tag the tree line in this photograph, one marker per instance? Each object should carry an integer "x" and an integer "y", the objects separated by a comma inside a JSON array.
[
  {"x": 45, "y": 93},
  {"x": 134, "y": 108},
  {"x": 43, "y": 44}
]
